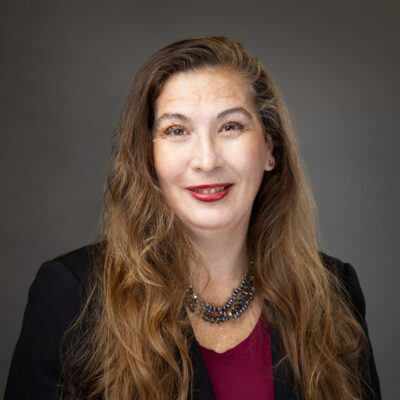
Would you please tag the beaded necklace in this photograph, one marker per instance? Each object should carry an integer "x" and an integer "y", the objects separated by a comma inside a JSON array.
[{"x": 232, "y": 309}]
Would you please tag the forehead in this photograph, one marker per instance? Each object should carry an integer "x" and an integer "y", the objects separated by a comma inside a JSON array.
[{"x": 205, "y": 87}]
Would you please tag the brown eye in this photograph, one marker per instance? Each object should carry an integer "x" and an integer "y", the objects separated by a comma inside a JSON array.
[
  {"x": 176, "y": 131},
  {"x": 232, "y": 126}
]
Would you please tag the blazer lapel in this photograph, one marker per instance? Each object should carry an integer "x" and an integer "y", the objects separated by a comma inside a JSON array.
[
  {"x": 283, "y": 388},
  {"x": 283, "y": 385},
  {"x": 202, "y": 389}
]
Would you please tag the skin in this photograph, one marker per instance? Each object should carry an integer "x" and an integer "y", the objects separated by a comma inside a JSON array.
[{"x": 202, "y": 148}]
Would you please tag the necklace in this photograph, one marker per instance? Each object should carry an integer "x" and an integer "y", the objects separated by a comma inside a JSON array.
[{"x": 232, "y": 309}]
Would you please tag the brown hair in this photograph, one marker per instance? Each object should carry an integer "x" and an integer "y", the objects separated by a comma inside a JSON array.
[{"x": 132, "y": 338}]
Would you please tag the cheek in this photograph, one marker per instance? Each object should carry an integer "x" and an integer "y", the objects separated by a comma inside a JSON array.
[
  {"x": 161, "y": 162},
  {"x": 167, "y": 165},
  {"x": 250, "y": 159}
]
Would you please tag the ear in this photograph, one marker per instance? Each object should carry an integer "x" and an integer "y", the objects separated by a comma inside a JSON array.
[{"x": 270, "y": 159}]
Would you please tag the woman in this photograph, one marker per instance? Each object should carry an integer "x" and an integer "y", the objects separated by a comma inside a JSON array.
[{"x": 206, "y": 280}]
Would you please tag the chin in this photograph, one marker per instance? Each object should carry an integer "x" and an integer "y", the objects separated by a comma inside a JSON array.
[
  {"x": 208, "y": 223},
  {"x": 211, "y": 227}
]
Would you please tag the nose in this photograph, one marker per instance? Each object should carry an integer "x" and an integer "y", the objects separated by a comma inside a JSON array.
[{"x": 206, "y": 154}]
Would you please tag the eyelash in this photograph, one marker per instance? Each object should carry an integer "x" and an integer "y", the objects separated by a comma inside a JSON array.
[
  {"x": 240, "y": 126},
  {"x": 168, "y": 131}
]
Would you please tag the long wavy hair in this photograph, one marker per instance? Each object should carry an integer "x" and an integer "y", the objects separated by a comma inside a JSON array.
[{"x": 132, "y": 338}]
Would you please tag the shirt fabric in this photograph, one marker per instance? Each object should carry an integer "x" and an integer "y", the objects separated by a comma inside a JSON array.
[{"x": 245, "y": 371}]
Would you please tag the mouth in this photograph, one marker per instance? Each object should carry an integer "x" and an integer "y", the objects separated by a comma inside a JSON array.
[{"x": 211, "y": 192}]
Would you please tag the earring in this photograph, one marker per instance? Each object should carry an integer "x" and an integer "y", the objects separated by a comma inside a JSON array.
[{"x": 271, "y": 162}]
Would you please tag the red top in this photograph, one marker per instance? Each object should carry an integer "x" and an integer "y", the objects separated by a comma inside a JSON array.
[{"x": 245, "y": 371}]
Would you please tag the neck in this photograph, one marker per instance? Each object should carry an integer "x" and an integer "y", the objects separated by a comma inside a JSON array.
[{"x": 224, "y": 263}]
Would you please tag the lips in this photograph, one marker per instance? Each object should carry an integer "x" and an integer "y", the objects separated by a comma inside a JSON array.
[{"x": 210, "y": 192}]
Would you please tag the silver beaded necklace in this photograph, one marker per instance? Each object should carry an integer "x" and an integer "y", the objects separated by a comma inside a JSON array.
[{"x": 232, "y": 309}]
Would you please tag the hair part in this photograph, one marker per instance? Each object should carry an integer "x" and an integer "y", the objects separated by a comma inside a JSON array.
[{"x": 132, "y": 339}]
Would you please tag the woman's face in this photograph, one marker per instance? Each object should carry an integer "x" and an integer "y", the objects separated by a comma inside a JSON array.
[{"x": 209, "y": 147}]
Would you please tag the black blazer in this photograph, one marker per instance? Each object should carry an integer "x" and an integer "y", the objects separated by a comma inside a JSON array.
[{"x": 55, "y": 298}]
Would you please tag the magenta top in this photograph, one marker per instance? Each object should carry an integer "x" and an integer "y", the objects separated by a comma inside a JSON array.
[{"x": 245, "y": 371}]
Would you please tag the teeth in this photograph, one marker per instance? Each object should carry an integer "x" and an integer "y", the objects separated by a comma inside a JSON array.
[{"x": 208, "y": 191}]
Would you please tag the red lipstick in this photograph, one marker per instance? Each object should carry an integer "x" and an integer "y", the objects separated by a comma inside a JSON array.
[{"x": 211, "y": 192}]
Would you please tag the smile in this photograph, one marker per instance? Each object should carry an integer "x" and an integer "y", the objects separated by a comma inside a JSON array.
[
  {"x": 209, "y": 193},
  {"x": 213, "y": 190}
]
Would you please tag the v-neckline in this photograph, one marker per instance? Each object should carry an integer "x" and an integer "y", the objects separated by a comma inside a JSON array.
[
  {"x": 235, "y": 350},
  {"x": 283, "y": 385}
]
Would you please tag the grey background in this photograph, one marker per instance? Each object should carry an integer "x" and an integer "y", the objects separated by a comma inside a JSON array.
[{"x": 66, "y": 68}]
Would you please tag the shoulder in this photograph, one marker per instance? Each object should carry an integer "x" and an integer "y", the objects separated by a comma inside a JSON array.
[
  {"x": 348, "y": 278},
  {"x": 55, "y": 299},
  {"x": 64, "y": 279},
  {"x": 78, "y": 263},
  {"x": 60, "y": 287},
  {"x": 352, "y": 291},
  {"x": 58, "y": 292}
]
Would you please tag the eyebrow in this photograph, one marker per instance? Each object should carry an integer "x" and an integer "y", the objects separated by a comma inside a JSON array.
[{"x": 182, "y": 117}]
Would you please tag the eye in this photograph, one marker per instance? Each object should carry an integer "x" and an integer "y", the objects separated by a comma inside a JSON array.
[
  {"x": 175, "y": 131},
  {"x": 232, "y": 126}
]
